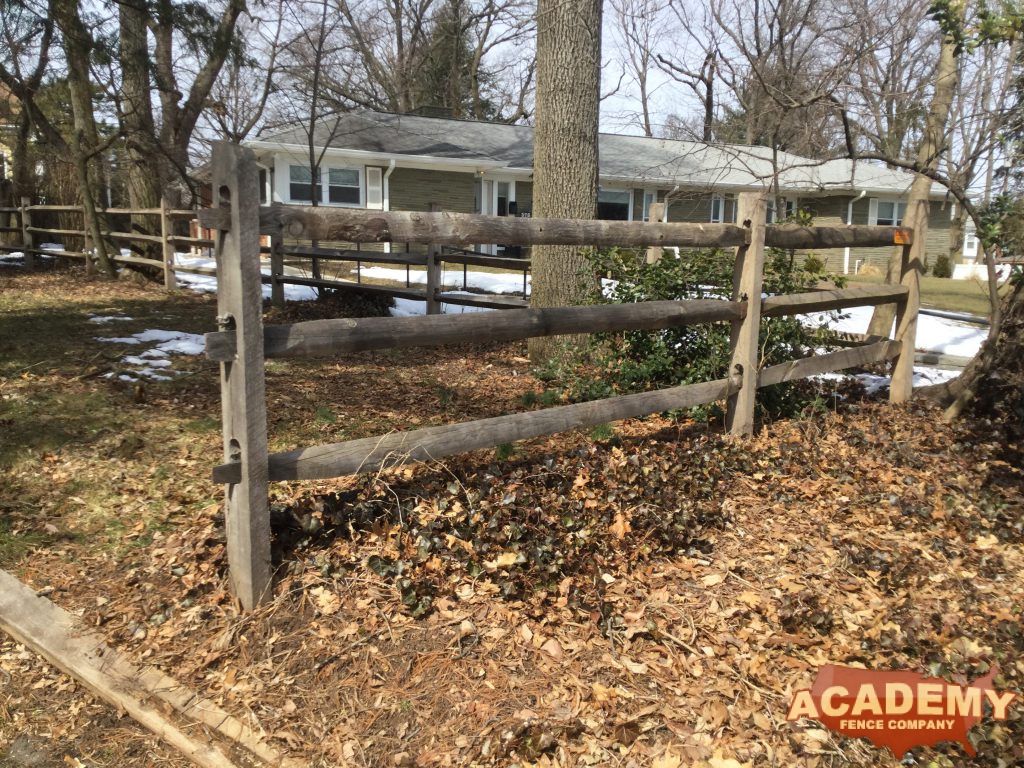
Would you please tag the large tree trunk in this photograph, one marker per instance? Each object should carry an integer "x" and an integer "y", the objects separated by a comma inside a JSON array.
[
  {"x": 932, "y": 145},
  {"x": 145, "y": 175},
  {"x": 565, "y": 153},
  {"x": 85, "y": 143}
]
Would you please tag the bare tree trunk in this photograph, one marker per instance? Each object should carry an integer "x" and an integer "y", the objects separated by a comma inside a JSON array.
[
  {"x": 565, "y": 145},
  {"x": 85, "y": 143},
  {"x": 932, "y": 144},
  {"x": 144, "y": 172}
]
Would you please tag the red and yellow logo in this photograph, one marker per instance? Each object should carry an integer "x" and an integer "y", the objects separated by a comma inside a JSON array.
[{"x": 898, "y": 710}]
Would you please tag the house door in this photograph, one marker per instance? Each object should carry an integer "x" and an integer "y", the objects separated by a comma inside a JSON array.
[{"x": 495, "y": 197}]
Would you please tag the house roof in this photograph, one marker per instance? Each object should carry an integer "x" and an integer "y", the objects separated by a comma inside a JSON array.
[{"x": 637, "y": 160}]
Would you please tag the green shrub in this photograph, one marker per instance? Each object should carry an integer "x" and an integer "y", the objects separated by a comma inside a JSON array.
[
  {"x": 943, "y": 267},
  {"x": 814, "y": 265},
  {"x": 640, "y": 360}
]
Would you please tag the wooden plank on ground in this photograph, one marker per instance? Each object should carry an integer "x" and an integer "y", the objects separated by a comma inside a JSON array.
[
  {"x": 64, "y": 642},
  {"x": 372, "y": 453}
]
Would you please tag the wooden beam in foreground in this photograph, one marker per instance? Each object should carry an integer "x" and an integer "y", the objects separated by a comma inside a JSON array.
[
  {"x": 855, "y": 236},
  {"x": 351, "y": 225},
  {"x": 372, "y": 453},
  {"x": 146, "y": 694},
  {"x": 334, "y": 337}
]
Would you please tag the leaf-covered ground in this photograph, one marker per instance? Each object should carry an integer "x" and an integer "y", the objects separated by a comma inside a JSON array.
[{"x": 648, "y": 595}]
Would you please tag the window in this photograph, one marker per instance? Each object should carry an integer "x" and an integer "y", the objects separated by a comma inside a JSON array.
[
  {"x": 614, "y": 204},
  {"x": 886, "y": 213},
  {"x": 717, "y": 209},
  {"x": 299, "y": 182},
  {"x": 790, "y": 210},
  {"x": 343, "y": 186},
  {"x": 264, "y": 185},
  {"x": 338, "y": 186},
  {"x": 649, "y": 198},
  {"x": 503, "y": 194}
]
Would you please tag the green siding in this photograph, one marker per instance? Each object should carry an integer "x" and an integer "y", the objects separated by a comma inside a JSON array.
[
  {"x": 524, "y": 195},
  {"x": 415, "y": 190}
]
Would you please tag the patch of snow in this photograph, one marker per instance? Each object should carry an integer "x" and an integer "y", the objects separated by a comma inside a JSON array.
[
  {"x": 208, "y": 283},
  {"x": 153, "y": 363},
  {"x": 934, "y": 334},
  {"x": 492, "y": 282},
  {"x": 107, "y": 318}
]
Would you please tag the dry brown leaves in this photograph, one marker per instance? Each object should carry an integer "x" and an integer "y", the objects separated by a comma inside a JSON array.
[{"x": 872, "y": 536}]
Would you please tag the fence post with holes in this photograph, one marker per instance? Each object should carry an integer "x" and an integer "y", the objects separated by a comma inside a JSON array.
[
  {"x": 748, "y": 277},
  {"x": 655, "y": 214},
  {"x": 902, "y": 386},
  {"x": 27, "y": 241},
  {"x": 167, "y": 246},
  {"x": 276, "y": 268},
  {"x": 236, "y": 202}
]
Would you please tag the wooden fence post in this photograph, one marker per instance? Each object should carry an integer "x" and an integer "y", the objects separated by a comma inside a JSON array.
[
  {"x": 655, "y": 213},
  {"x": 747, "y": 280},
  {"x": 27, "y": 240},
  {"x": 243, "y": 396},
  {"x": 433, "y": 280},
  {"x": 170, "y": 280},
  {"x": 902, "y": 385},
  {"x": 90, "y": 265},
  {"x": 276, "y": 269}
]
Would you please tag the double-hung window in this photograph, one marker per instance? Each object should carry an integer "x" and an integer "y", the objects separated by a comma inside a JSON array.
[
  {"x": 301, "y": 186},
  {"x": 335, "y": 186},
  {"x": 343, "y": 186},
  {"x": 886, "y": 213}
]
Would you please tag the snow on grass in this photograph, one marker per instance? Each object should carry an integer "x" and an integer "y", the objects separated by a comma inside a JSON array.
[
  {"x": 208, "y": 283},
  {"x": 492, "y": 282},
  {"x": 100, "y": 319},
  {"x": 153, "y": 363},
  {"x": 934, "y": 334}
]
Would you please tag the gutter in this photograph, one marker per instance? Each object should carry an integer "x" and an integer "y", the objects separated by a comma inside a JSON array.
[
  {"x": 386, "y": 195},
  {"x": 849, "y": 221}
]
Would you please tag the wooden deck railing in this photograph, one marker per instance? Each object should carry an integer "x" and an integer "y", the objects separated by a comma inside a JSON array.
[{"x": 242, "y": 343}]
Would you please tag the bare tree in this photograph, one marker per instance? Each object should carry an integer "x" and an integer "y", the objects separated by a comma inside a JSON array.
[
  {"x": 238, "y": 100},
  {"x": 639, "y": 30}
]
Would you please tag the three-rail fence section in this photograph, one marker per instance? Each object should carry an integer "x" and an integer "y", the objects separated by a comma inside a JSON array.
[{"x": 242, "y": 342}]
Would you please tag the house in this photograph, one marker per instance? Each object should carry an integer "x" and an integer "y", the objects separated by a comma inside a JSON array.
[{"x": 398, "y": 162}]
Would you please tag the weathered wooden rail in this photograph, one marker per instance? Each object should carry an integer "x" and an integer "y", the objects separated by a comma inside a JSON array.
[
  {"x": 243, "y": 343},
  {"x": 162, "y": 221}
]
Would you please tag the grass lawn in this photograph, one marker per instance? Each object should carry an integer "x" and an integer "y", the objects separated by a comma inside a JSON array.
[
  {"x": 649, "y": 593},
  {"x": 969, "y": 296}
]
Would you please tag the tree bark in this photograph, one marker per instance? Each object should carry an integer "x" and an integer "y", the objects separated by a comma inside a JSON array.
[
  {"x": 85, "y": 142},
  {"x": 565, "y": 146},
  {"x": 932, "y": 144},
  {"x": 145, "y": 174}
]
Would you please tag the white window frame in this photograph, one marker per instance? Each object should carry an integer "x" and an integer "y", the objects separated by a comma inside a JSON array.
[
  {"x": 325, "y": 185},
  {"x": 899, "y": 210},
  {"x": 719, "y": 217}
]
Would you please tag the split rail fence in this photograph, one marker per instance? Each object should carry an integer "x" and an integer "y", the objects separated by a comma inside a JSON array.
[
  {"x": 161, "y": 221},
  {"x": 242, "y": 343}
]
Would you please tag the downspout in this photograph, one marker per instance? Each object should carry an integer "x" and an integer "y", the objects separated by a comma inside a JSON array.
[
  {"x": 849, "y": 221},
  {"x": 386, "y": 195}
]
